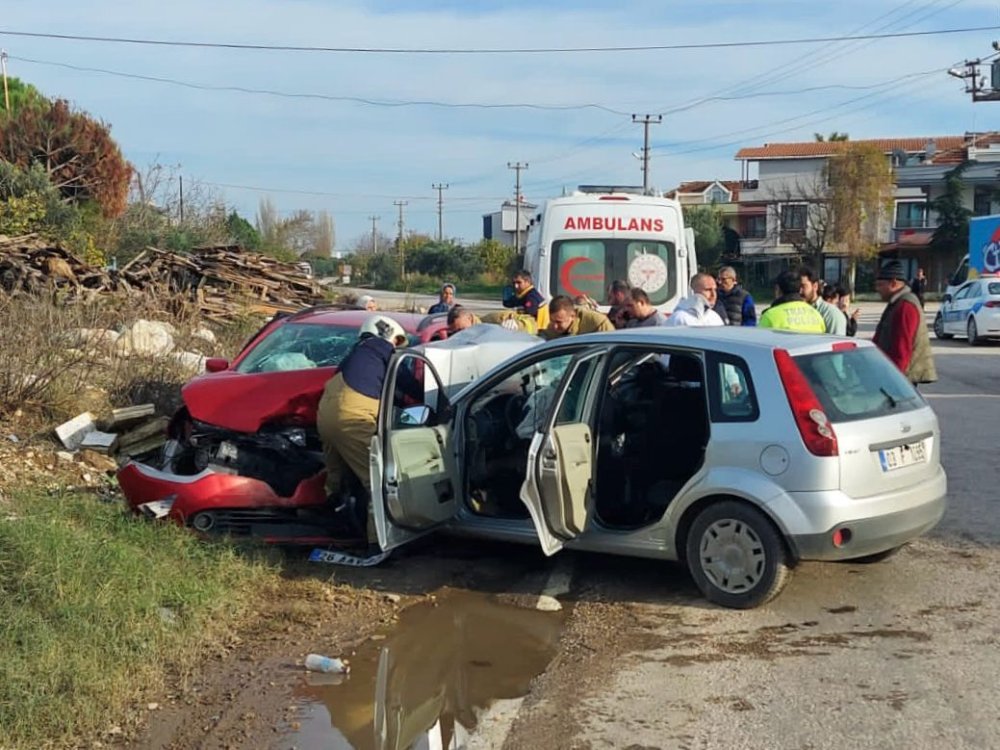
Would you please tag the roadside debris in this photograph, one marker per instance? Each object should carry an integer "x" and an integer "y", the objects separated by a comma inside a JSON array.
[
  {"x": 221, "y": 281},
  {"x": 320, "y": 663},
  {"x": 130, "y": 431}
]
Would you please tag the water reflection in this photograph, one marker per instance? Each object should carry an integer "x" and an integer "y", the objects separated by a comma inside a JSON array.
[{"x": 424, "y": 685}]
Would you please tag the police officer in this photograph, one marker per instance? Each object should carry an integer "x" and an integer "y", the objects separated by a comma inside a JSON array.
[{"x": 789, "y": 311}]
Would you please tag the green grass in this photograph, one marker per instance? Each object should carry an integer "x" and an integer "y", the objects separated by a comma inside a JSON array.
[{"x": 96, "y": 606}]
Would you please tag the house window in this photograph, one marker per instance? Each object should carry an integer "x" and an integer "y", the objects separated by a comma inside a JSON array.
[
  {"x": 911, "y": 215},
  {"x": 754, "y": 227},
  {"x": 982, "y": 201},
  {"x": 718, "y": 195},
  {"x": 793, "y": 217}
]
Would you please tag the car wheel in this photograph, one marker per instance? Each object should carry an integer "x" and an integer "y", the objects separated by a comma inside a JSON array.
[
  {"x": 736, "y": 556},
  {"x": 973, "y": 332},
  {"x": 939, "y": 328},
  {"x": 877, "y": 557}
]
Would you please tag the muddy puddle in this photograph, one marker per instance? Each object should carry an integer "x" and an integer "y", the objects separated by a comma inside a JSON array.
[{"x": 425, "y": 683}]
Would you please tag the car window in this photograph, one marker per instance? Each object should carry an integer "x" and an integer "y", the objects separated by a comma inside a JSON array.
[
  {"x": 859, "y": 383},
  {"x": 572, "y": 408},
  {"x": 993, "y": 288},
  {"x": 731, "y": 396},
  {"x": 963, "y": 292},
  {"x": 299, "y": 346},
  {"x": 521, "y": 401},
  {"x": 412, "y": 389}
]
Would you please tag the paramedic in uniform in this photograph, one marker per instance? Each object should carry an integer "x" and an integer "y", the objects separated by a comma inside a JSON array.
[
  {"x": 348, "y": 410},
  {"x": 526, "y": 299}
]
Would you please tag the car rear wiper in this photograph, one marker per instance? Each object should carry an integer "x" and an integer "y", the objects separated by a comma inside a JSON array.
[{"x": 893, "y": 402}]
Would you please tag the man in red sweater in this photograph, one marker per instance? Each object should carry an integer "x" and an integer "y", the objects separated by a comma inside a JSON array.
[{"x": 902, "y": 332}]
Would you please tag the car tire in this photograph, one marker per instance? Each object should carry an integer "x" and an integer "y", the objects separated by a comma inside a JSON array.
[
  {"x": 939, "y": 328},
  {"x": 972, "y": 330},
  {"x": 876, "y": 557},
  {"x": 736, "y": 555}
]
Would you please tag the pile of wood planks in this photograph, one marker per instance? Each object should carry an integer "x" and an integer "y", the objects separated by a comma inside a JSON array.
[{"x": 222, "y": 281}]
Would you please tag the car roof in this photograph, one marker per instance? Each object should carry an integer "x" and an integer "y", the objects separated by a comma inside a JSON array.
[
  {"x": 354, "y": 318},
  {"x": 728, "y": 338}
]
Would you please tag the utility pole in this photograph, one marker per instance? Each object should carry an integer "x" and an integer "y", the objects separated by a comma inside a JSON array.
[
  {"x": 180, "y": 179},
  {"x": 399, "y": 239},
  {"x": 646, "y": 121},
  {"x": 6, "y": 91},
  {"x": 374, "y": 221},
  {"x": 440, "y": 187},
  {"x": 517, "y": 167},
  {"x": 976, "y": 84}
]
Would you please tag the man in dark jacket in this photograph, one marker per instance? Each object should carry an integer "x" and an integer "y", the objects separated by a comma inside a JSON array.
[
  {"x": 901, "y": 332},
  {"x": 523, "y": 295},
  {"x": 734, "y": 303}
]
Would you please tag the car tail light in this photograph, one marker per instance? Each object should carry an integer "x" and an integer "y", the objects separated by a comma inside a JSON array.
[
  {"x": 843, "y": 346},
  {"x": 992, "y": 303},
  {"x": 814, "y": 426}
]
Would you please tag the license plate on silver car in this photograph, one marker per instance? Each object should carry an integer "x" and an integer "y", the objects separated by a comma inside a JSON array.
[{"x": 902, "y": 455}]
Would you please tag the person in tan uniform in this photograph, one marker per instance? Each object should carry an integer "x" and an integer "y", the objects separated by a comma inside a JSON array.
[
  {"x": 567, "y": 319},
  {"x": 348, "y": 410}
]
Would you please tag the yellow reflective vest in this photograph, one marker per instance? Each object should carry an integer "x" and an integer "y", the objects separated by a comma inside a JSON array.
[{"x": 795, "y": 315}]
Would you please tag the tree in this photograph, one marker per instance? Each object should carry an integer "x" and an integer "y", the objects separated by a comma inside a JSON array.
[
  {"x": 951, "y": 238},
  {"x": 77, "y": 152},
  {"x": 861, "y": 190},
  {"x": 709, "y": 240},
  {"x": 834, "y": 137},
  {"x": 24, "y": 95},
  {"x": 498, "y": 258},
  {"x": 242, "y": 232}
]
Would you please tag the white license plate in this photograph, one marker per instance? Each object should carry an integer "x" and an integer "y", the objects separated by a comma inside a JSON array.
[{"x": 902, "y": 456}]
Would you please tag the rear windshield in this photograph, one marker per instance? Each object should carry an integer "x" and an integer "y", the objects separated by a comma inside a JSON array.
[
  {"x": 300, "y": 346},
  {"x": 858, "y": 384},
  {"x": 588, "y": 266}
]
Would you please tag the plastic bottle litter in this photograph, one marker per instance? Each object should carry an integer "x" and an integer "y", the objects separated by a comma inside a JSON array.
[{"x": 320, "y": 663}]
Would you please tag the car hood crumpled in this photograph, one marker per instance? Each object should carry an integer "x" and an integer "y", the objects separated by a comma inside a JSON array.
[{"x": 244, "y": 402}]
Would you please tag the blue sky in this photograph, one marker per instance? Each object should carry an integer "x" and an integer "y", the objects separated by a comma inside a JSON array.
[{"x": 361, "y": 157}]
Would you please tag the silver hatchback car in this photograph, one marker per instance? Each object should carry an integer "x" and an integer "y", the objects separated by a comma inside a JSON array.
[{"x": 738, "y": 451}]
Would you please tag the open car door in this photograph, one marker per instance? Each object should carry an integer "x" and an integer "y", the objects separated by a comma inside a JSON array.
[
  {"x": 413, "y": 470},
  {"x": 557, "y": 488}
]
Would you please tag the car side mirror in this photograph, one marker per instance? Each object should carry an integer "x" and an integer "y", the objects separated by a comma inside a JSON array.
[
  {"x": 946, "y": 298},
  {"x": 216, "y": 364},
  {"x": 415, "y": 415}
]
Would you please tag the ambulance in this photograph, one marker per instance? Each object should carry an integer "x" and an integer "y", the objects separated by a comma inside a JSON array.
[{"x": 578, "y": 244}]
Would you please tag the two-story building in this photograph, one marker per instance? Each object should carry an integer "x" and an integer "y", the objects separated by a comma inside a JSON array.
[{"x": 791, "y": 192}]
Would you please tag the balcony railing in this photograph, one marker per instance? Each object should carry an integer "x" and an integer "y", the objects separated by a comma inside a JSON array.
[{"x": 912, "y": 222}]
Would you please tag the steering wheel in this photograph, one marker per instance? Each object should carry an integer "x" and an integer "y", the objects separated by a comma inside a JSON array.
[{"x": 514, "y": 411}]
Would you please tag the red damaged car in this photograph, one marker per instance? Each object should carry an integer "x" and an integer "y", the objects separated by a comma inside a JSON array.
[{"x": 244, "y": 457}]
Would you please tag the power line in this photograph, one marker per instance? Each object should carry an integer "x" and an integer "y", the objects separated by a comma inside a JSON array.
[
  {"x": 490, "y": 51},
  {"x": 323, "y": 97}
]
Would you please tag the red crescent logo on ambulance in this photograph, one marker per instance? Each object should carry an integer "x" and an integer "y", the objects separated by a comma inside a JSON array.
[{"x": 568, "y": 279}]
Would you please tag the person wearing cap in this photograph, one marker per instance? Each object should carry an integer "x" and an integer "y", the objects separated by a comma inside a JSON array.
[
  {"x": 901, "y": 332},
  {"x": 367, "y": 302},
  {"x": 446, "y": 300}
]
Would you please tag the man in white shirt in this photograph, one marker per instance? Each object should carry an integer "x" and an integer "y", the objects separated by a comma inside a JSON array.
[{"x": 696, "y": 309}]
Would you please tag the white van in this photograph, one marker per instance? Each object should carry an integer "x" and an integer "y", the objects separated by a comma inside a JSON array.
[{"x": 579, "y": 244}]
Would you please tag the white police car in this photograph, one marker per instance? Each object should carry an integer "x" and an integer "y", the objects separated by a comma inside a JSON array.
[{"x": 972, "y": 311}]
